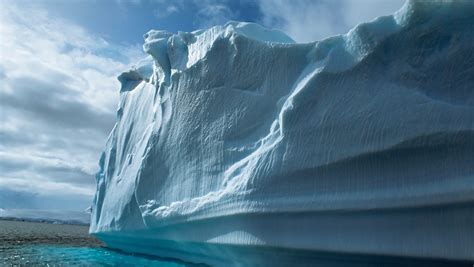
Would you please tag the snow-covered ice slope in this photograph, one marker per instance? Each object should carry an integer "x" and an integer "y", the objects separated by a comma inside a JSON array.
[{"x": 237, "y": 136}]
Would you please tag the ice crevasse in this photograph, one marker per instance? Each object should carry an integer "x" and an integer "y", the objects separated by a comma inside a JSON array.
[{"x": 237, "y": 137}]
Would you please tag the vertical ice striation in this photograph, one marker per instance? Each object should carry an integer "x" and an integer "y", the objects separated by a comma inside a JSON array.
[{"x": 237, "y": 135}]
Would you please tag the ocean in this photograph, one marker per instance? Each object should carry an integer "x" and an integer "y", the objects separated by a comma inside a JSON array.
[{"x": 44, "y": 244}]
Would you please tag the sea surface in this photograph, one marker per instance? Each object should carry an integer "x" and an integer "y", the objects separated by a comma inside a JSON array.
[{"x": 43, "y": 244}]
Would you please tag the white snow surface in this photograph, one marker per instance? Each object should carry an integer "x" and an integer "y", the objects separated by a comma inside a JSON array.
[{"x": 358, "y": 143}]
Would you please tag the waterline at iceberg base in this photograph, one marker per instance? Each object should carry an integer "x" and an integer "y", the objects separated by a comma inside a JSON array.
[{"x": 236, "y": 145}]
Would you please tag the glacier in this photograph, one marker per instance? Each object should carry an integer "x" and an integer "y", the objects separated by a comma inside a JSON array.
[{"x": 236, "y": 139}]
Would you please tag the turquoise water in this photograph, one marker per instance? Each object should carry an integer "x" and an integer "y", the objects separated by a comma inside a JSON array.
[
  {"x": 56, "y": 255},
  {"x": 43, "y": 244}
]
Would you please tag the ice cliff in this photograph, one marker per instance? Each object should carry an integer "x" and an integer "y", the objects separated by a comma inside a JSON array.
[{"x": 236, "y": 136}]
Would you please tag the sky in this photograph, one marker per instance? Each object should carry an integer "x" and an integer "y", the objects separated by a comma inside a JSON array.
[{"x": 59, "y": 60}]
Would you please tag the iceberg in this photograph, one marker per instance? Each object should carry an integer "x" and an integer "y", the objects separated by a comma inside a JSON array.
[{"x": 236, "y": 139}]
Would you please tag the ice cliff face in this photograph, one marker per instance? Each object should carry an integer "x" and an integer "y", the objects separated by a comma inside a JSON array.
[{"x": 237, "y": 135}]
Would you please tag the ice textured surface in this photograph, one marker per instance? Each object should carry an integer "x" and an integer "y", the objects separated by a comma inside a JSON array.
[{"x": 237, "y": 135}]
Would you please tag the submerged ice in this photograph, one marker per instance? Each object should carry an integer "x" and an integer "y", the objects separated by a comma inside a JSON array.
[{"x": 237, "y": 135}]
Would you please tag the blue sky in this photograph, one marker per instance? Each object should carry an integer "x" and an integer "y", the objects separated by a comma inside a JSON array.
[{"x": 59, "y": 60}]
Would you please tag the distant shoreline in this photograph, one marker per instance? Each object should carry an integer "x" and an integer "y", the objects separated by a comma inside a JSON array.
[
  {"x": 43, "y": 220},
  {"x": 71, "y": 217},
  {"x": 18, "y": 232}
]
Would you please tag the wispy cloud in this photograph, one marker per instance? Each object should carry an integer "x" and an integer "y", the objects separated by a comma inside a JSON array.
[
  {"x": 206, "y": 13},
  {"x": 164, "y": 10},
  {"x": 304, "y": 20},
  {"x": 211, "y": 13},
  {"x": 58, "y": 95},
  {"x": 311, "y": 20}
]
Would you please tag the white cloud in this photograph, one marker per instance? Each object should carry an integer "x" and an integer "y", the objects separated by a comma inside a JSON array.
[
  {"x": 207, "y": 13},
  {"x": 211, "y": 13},
  {"x": 311, "y": 20},
  {"x": 45, "y": 187},
  {"x": 58, "y": 95},
  {"x": 166, "y": 10}
]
